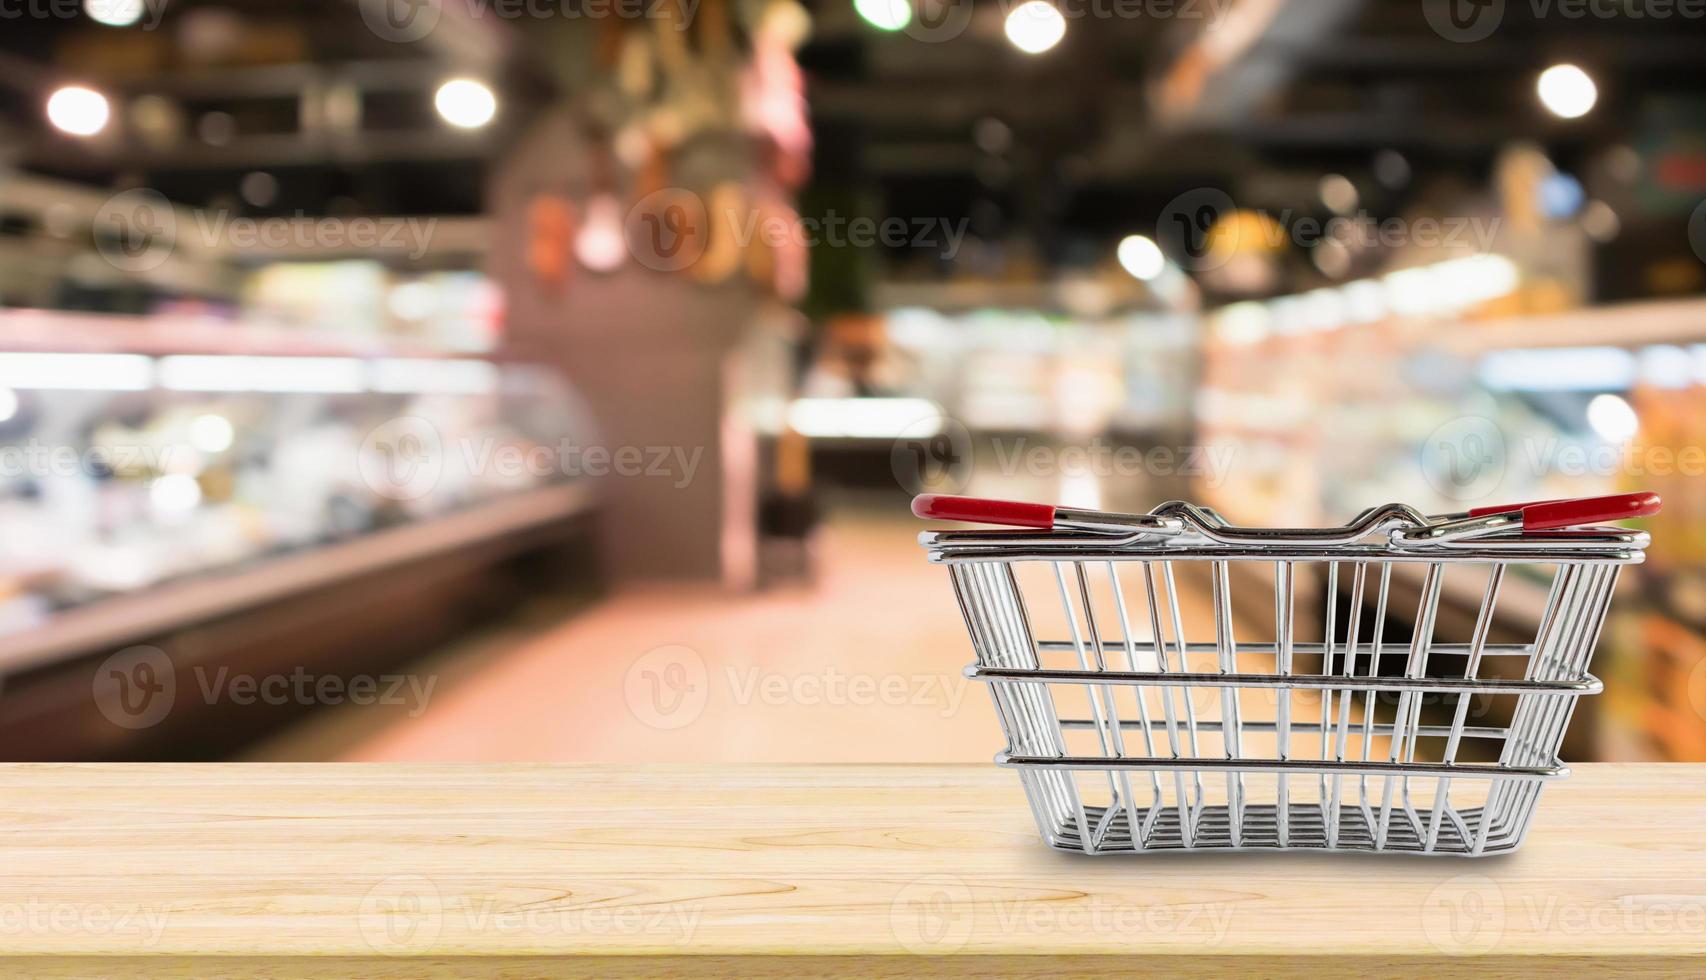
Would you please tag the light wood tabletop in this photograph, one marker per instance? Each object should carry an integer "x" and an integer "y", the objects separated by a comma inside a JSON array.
[{"x": 543, "y": 870}]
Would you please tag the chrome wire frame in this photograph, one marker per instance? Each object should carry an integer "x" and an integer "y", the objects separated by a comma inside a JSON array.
[{"x": 1176, "y": 763}]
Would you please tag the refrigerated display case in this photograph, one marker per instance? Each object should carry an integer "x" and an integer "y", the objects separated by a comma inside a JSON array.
[{"x": 157, "y": 476}]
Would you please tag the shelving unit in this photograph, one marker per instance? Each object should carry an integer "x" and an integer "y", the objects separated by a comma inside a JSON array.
[
  {"x": 111, "y": 623},
  {"x": 1353, "y": 410}
]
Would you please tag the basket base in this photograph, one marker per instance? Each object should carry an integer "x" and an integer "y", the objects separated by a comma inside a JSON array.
[{"x": 1358, "y": 829}]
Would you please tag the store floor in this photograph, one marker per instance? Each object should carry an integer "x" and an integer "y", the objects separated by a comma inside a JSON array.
[{"x": 862, "y": 665}]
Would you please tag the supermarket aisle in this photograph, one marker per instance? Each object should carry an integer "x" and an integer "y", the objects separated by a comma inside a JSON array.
[{"x": 864, "y": 665}]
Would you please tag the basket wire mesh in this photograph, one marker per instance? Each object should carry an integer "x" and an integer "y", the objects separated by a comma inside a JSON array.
[{"x": 1139, "y": 721}]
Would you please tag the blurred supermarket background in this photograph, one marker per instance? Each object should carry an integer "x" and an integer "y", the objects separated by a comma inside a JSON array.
[{"x": 546, "y": 379}]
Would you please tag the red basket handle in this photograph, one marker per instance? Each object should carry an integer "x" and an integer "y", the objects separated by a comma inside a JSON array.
[
  {"x": 978, "y": 510},
  {"x": 1547, "y": 515}
]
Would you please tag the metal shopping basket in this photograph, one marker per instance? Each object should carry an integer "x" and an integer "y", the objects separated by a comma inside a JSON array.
[{"x": 1139, "y": 721}]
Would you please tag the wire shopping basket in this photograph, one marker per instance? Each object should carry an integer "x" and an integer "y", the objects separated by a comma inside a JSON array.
[{"x": 1139, "y": 721}]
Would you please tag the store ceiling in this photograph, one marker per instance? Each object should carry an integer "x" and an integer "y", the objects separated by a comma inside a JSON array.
[
  {"x": 216, "y": 89},
  {"x": 1090, "y": 139},
  {"x": 1130, "y": 111}
]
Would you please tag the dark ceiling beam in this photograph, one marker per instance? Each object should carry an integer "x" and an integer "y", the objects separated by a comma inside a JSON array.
[
  {"x": 902, "y": 102},
  {"x": 288, "y": 81},
  {"x": 1375, "y": 130},
  {"x": 1497, "y": 57},
  {"x": 262, "y": 151}
]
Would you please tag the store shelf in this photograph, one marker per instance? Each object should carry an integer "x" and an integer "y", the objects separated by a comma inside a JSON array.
[
  {"x": 788, "y": 871},
  {"x": 48, "y": 331},
  {"x": 134, "y": 616},
  {"x": 1623, "y": 324}
]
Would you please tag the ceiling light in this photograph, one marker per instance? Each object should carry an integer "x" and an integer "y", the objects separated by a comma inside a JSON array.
[
  {"x": 884, "y": 15},
  {"x": 1035, "y": 26},
  {"x": 1338, "y": 193},
  {"x": 1567, "y": 91},
  {"x": 76, "y": 372},
  {"x": 77, "y": 110},
  {"x": 212, "y": 433},
  {"x": 1612, "y": 418},
  {"x": 114, "y": 13},
  {"x": 465, "y": 103},
  {"x": 1141, "y": 257}
]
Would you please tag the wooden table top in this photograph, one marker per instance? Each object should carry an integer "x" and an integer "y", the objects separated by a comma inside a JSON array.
[{"x": 527, "y": 870}]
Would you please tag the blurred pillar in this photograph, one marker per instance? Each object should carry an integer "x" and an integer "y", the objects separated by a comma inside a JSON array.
[{"x": 651, "y": 350}]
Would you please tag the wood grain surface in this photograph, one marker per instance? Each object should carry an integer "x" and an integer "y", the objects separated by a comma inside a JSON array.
[{"x": 546, "y": 870}]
